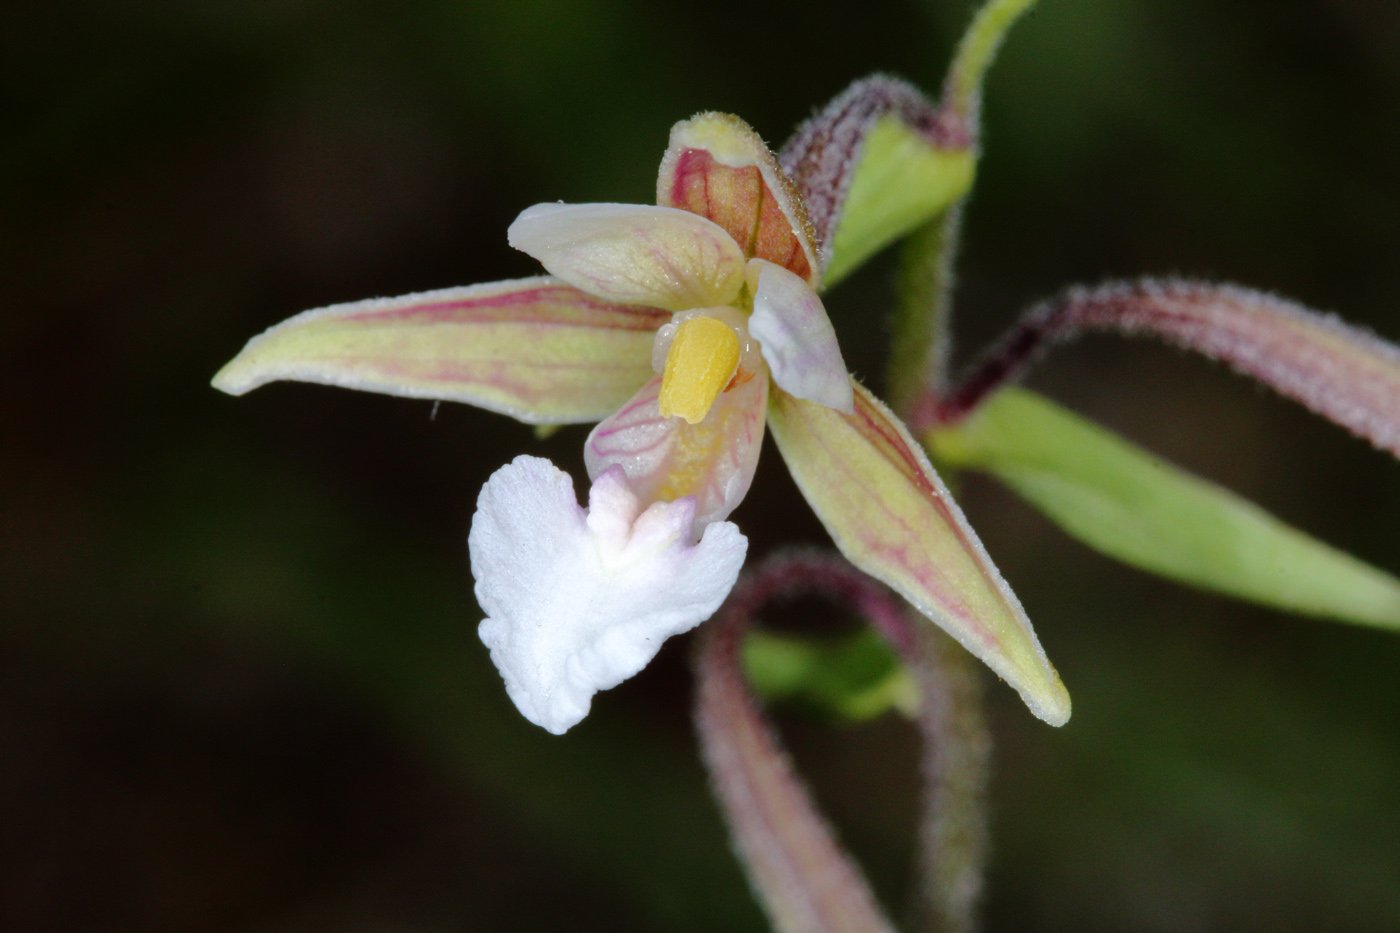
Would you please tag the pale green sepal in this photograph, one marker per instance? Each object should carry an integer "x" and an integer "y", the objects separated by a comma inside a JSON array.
[
  {"x": 891, "y": 516},
  {"x": 900, "y": 182},
  {"x": 535, "y": 349},
  {"x": 855, "y": 678},
  {"x": 1145, "y": 512}
]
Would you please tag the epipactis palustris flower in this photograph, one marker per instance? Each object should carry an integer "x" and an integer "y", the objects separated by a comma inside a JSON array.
[{"x": 682, "y": 328}]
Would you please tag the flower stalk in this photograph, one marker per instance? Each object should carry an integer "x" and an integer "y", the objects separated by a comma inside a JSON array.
[
  {"x": 956, "y": 761},
  {"x": 956, "y": 766},
  {"x": 806, "y": 881},
  {"x": 921, "y": 340},
  {"x": 917, "y": 371},
  {"x": 797, "y": 867},
  {"x": 962, "y": 91}
]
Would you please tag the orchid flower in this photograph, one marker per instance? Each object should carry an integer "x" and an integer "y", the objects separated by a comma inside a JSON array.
[{"x": 682, "y": 328}]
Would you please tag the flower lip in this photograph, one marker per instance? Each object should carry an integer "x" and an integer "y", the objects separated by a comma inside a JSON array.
[
  {"x": 579, "y": 600},
  {"x": 667, "y": 458}
]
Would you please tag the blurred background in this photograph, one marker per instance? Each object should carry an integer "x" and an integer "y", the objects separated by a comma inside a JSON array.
[{"x": 240, "y": 687}]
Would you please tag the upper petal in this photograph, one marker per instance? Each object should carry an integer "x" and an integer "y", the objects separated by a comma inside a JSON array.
[
  {"x": 577, "y": 601},
  {"x": 634, "y": 253},
  {"x": 718, "y": 167},
  {"x": 890, "y": 514},
  {"x": 666, "y": 458},
  {"x": 535, "y": 349},
  {"x": 796, "y": 337}
]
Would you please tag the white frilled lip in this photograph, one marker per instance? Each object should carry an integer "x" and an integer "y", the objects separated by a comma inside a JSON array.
[
  {"x": 579, "y": 600},
  {"x": 672, "y": 259}
]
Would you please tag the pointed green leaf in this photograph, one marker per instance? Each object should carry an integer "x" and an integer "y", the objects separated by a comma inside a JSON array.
[
  {"x": 901, "y": 181},
  {"x": 535, "y": 349},
  {"x": 1145, "y": 512},
  {"x": 891, "y": 516}
]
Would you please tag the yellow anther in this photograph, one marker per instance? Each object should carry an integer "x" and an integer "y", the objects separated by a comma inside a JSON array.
[{"x": 703, "y": 358}]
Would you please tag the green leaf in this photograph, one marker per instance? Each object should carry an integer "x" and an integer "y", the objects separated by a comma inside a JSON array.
[
  {"x": 1145, "y": 512},
  {"x": 854, "y": 678},
  {"x": 902, "y": 181}
]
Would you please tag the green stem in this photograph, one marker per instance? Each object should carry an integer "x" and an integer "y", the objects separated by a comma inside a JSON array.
[
  {"x": 921, "y": 334},
  {"x": 957, "y": 750},
  {"x": 963, "y": 91},
  {"x": 922, "y": 338},
  {"x": 957, "y": 745}
]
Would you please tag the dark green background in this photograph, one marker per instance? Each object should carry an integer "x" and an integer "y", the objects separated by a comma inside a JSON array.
[{"x": 240, "y": 687}]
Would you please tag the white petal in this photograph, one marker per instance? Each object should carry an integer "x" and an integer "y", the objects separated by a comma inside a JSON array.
[
  {"x": 666, "y": 458},
  {"x": 797, "y": 338},
  {"x": 634, "y": 253},
  {"x": 578, "y": 601}
]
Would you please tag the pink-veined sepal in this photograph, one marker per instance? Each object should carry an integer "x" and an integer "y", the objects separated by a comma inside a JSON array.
[
  {"x": 890, "y": 515},
  {"x": 718, "y": 167},
  {"x": 535, "y": 349}
]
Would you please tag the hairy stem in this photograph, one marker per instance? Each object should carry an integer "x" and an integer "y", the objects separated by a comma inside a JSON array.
[
  {"x": 956, "y": 761},
  {"x": 922, "y": 342},
  {"x": 802, "y": 876},
  {"x": 962, "y": 92},
  {"x": 957, "y": 749}
]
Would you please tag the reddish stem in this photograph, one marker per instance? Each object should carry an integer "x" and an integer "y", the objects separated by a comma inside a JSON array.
[{"x": 800, "y": 872}]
